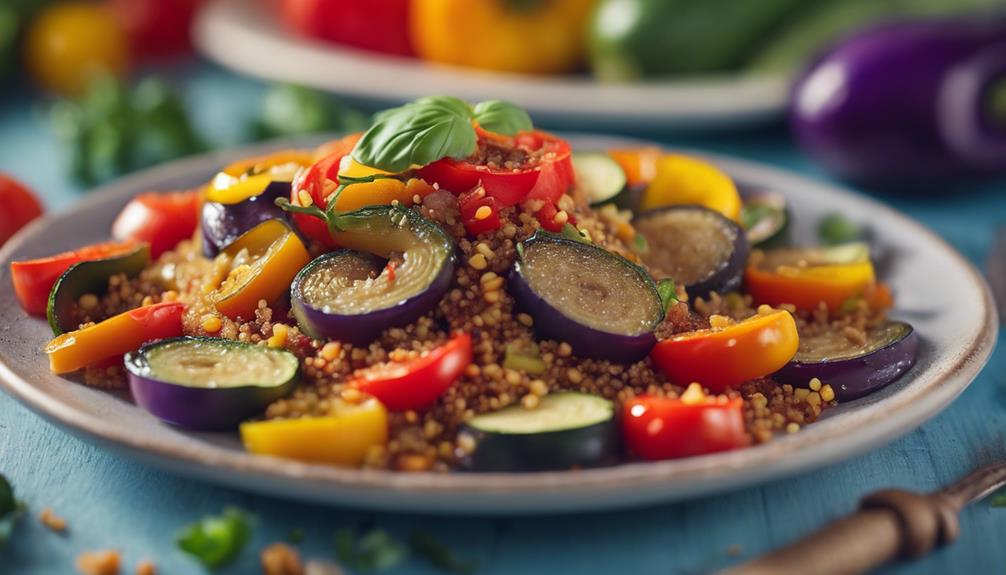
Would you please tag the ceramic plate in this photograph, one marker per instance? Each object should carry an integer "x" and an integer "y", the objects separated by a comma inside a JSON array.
[
  {"x": 244, "y": 36},
  {"x": 938, "y": 291}
]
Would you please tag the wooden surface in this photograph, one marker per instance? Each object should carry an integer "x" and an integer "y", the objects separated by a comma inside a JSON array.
[{"x": 111, "y": 502}]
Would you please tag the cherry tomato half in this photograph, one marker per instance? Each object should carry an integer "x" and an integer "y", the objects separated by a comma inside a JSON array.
[
  {"x": 417, "y": 383},
  {"x": 20, "y": 206},
  {"x": 161, "y": 220},
  {"x": 666, "y": 428}
]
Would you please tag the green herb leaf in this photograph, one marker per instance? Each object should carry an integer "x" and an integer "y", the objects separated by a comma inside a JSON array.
[
  {"x": 418, "y": 133},
  {"x": 502, "y": 117},
  {"x": 216, "y": 541},
  {"x": 837, "y": 229},
  {"x": 639, "y": 244},
  {"x": 375, "y": 550},
  {"x": 668, "y": 292},
  {"x": 427, "y": 546}
]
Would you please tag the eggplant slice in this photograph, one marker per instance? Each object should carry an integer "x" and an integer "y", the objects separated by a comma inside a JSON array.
[
  {"x": 600, "y": 303},
  {"x": 695, "y": 246},
  {"x": 400, "y": 267},
  {"x": 853, "y": 370}
]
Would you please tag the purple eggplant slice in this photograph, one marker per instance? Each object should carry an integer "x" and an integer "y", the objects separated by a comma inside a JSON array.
[
  {"x": 600, "y": 303},
  {"x": 236, "y": 204},
  {"x": 853, "y": 370},
  {"x": 208, "y": 383},
  {"x": 695, "y": 246},
  {"x": 400, "y": 266}
]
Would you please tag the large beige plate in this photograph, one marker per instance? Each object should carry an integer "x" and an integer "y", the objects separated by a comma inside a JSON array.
[
  {"x": 925, "y": 273},
  {"x": 244, "y": 36}
]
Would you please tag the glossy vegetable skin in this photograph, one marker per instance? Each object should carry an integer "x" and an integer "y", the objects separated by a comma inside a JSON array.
[
  {"x": 375, "y": 25},
  {"x": 185, "y": 398},
  {"x": 394, "y": 296},
  {"x": 415, "y": 384},
  {"x": 695, "y": 246},
  {"x": 905, "y": 106},
  {"x": 890, "y": 351},
  {"x": 566, "y": 430},
  {"x": 341, "y": 438},
  {"x": 156, "y": 28},
  {"x": 618, "y": 322},
  {"x": 90, "y": 277},
  {"x": 20, "y": 206},
  {"x": 33, "y": 279},
  {"x": 159, "y": 219},
  {"x": 681, "y": 180},
  {"x": 765, "y": 217},
  {"x": 114, "y": 336},
  {"x": 808, "y": 277},
  {"x": 727, "y": 355},
  {"x": 668, "y": 428},
  {"x": 275, "y": 256},
  {"x": 69, "y": 42},
  {"x": 528, "y": 37}
]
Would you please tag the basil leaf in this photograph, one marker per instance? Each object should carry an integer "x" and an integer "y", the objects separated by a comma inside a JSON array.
[
  {"x": 418, "y": 133},
  {"x": 216, "y": 541},
  {"x": 427, "y": 546},
  {"x": 375, "y": 550},
  {"x": 502, "y": 117},
  {"x": 668, "y": 292}
]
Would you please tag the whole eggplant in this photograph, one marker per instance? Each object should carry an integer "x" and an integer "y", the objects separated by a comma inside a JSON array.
[{"x": 908, "y": 106}]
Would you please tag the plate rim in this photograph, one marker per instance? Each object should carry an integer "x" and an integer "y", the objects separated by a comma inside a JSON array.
[{"x": 701, "y": 475}]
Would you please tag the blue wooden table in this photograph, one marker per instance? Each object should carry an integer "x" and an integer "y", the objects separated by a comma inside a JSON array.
[{"x": 112, "y": 502}]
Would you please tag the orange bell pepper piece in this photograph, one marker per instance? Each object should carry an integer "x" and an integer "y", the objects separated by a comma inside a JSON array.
[
  {"x": 729, "y": 354},
  {"x": 806, "y": 284},
  {"x": 114, "y": 337},
  {"x": 639, "y": 164}
]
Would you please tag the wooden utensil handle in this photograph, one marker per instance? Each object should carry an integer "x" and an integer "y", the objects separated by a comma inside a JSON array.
[{"x": 889, "y": 524}]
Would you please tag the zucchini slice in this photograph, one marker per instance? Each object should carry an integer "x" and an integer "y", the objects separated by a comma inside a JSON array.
[
  {"x": 567, "y": 429},
  {"x": 600, "y": 177},
  {"x": 89, "y": 277}
]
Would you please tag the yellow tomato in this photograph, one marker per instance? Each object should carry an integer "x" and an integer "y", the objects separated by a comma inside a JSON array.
[
  {"x": 341, "y": 438},
  {"x": 522, "y": 37},
  {"x": 275, "y": 256},
  {"x": 70, "y": 42},
  {"x": 687, "y": 180}
]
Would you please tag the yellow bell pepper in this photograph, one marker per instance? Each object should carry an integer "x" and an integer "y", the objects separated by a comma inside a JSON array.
[
  {"x": 805, "y": 280},
  {"x": 378, "y": 192},
  {"x": 275, "y": 255},
  {"x": 232, "y": 185},
  {"x": 521, "y": 37},
  {"x": 341, "y": 438},
  {"x": 686, "y": 180}
]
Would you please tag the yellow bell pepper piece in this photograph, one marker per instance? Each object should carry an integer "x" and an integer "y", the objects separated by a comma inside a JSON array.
[
  {"x": 276, "y": 255},
  {"x": 342, "y": 438},
  {"x": 378, "y": 192},
  {"x": 686, "y": 180},
  {"x": 229, "y": 187}
]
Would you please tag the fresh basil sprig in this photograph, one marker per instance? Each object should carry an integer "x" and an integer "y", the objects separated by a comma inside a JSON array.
[{"x": 433, "y": 128}]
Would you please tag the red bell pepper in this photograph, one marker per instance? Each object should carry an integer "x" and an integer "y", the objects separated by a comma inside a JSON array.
[
  {"x": 33, "y": 279},
  {"x": 666, "y": 428},
  {"x": 417, "y": 383},
  {"x": 161, "y": 220},
  {"x": 376, "y": 25}
]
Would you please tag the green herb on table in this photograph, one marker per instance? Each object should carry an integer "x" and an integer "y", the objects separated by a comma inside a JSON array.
[
  {"x": 10, "y": 509},
  {"x": 216, "y": 540},
  {"x": 375, "y": 550},
  {"x": 835, "y": 229},
  {"x": 290, "y": 110},
  {"x": 433, "y": 128},
  {"x": 428, "y": 547},
  {"x": 115, "y": 129}
]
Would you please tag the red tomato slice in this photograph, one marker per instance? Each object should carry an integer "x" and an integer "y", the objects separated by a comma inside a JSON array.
[
  {"x": 313, "y": 181},
  {"x": 33, "y": 279},
  {"x": 417, "y": 383},
  {"x": 20, "y": 206},
  {"x": 161, "y": 220},
  {"x": 470, "y": 203},
  {"x": 664, "y": 428}
]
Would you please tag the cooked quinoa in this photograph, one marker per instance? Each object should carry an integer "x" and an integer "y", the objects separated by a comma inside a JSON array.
[{"x": 478, "y": 303}]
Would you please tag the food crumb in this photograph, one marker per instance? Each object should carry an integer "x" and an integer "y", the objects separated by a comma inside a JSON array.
[
  {"x": 146, "y": 567},
  {"x": 105, "y": 562},
  {"x": 51, "y": 521},
  {"x": 281, "y": 559},
  {"x": 792, "y": 427}
]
